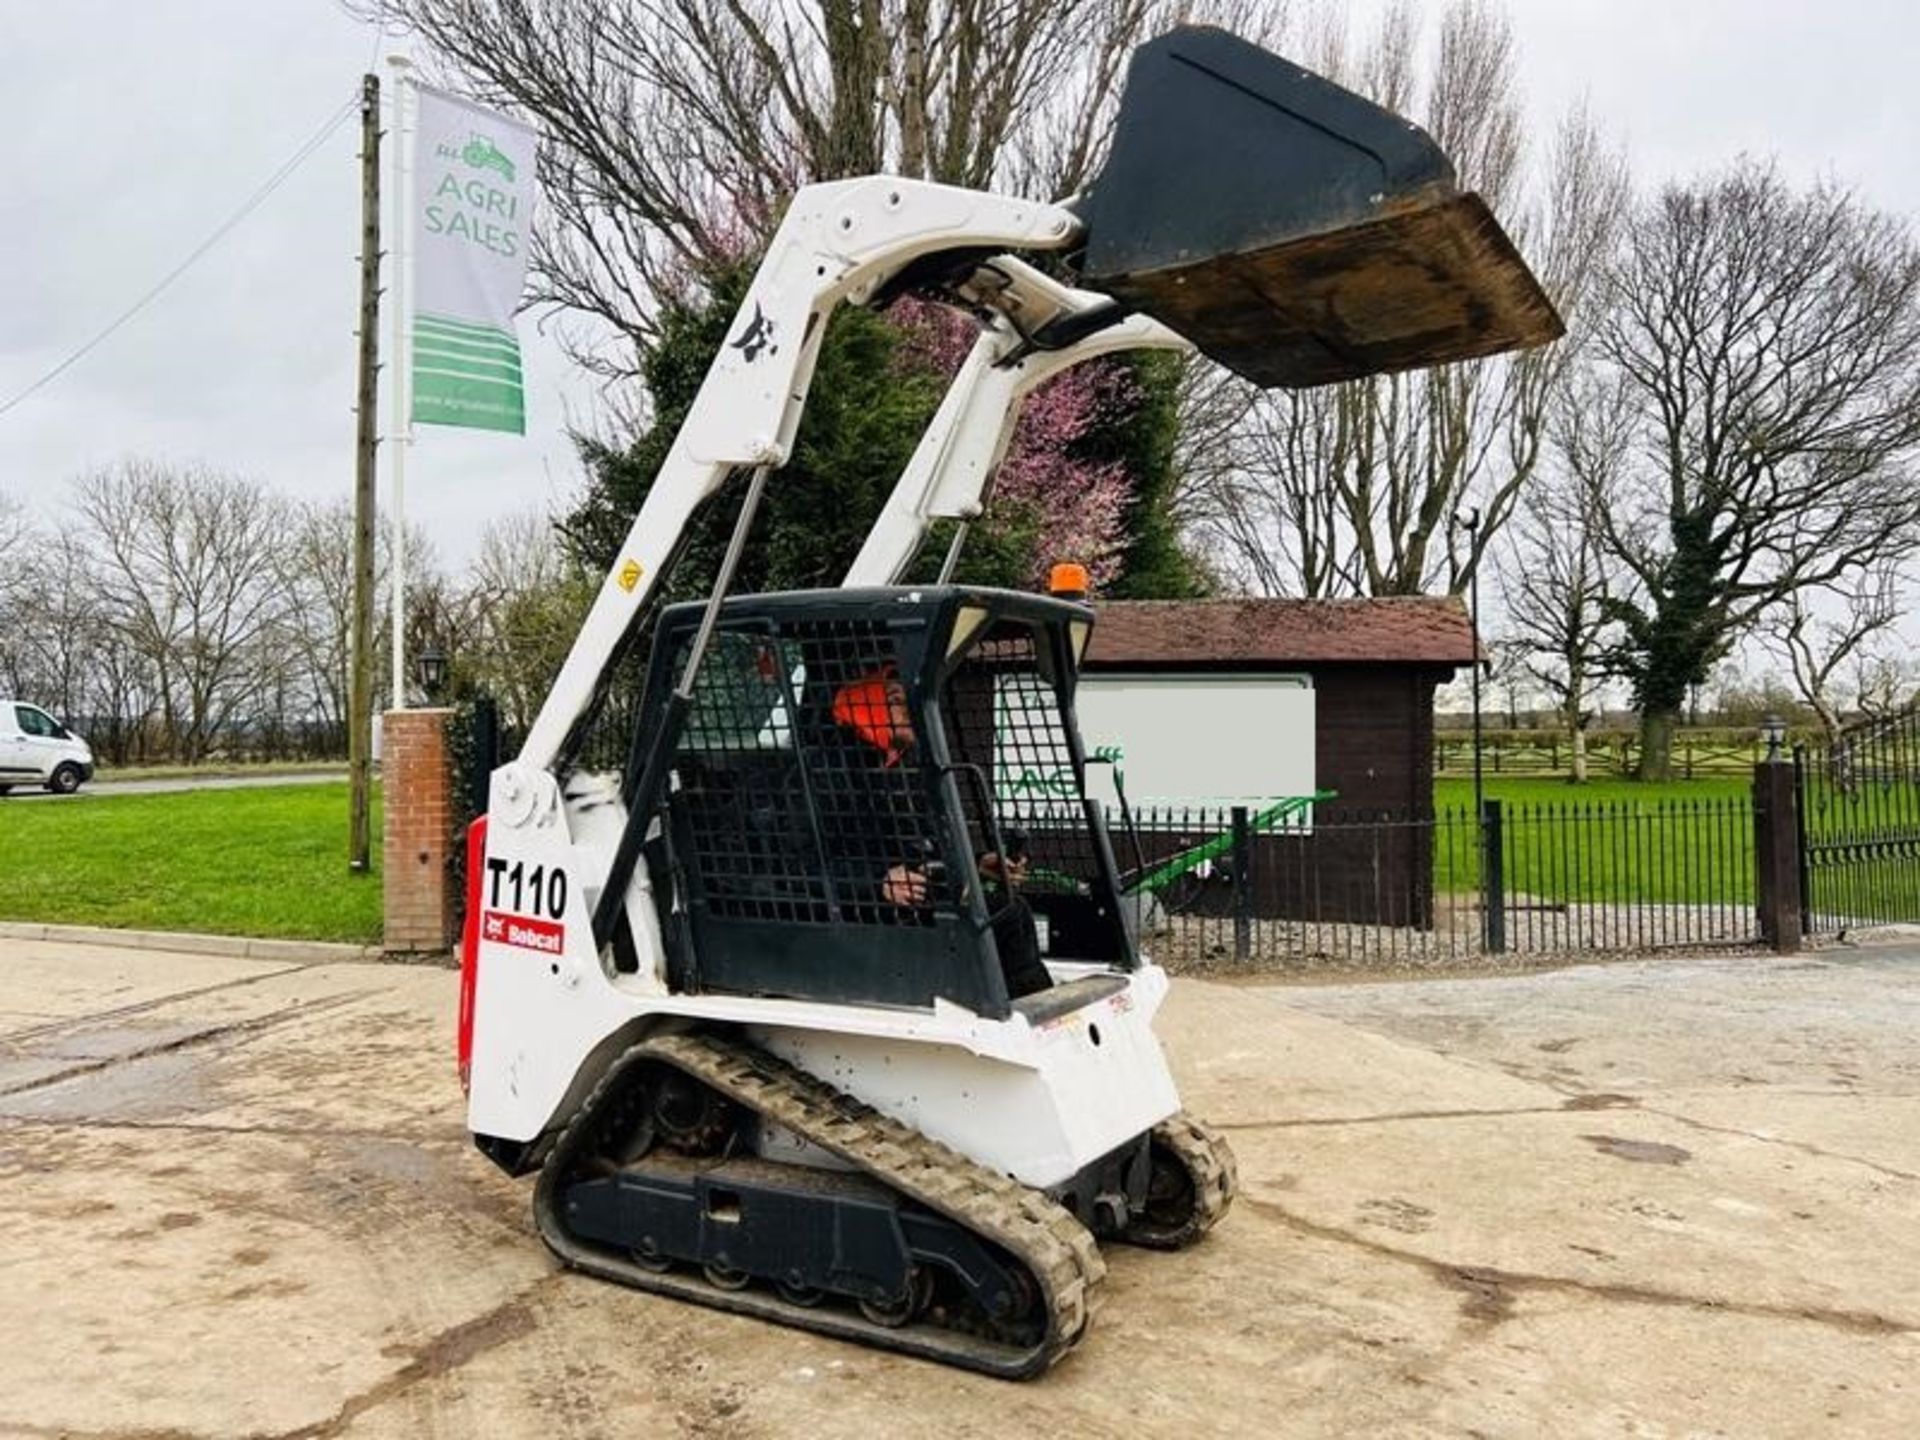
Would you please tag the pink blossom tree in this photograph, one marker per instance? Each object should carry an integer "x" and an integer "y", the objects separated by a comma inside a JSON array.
[{"x": 1052, "y": 503}]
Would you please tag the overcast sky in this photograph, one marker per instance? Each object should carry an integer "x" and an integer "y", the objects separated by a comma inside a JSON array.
[{"x": 135, "y": 126}]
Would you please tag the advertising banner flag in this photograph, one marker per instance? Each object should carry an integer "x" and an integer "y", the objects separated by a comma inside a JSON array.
[{"x": 472, "y": 202}]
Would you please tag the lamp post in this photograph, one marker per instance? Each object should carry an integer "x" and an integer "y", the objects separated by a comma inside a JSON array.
[
  {"x": 430, "y": 670},
  {"x": 1471, "y": 524},
  {"x": 1492, "y": 900}
]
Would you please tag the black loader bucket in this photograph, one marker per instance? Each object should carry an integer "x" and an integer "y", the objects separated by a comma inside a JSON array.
[{"x": 1295, "y": 232}]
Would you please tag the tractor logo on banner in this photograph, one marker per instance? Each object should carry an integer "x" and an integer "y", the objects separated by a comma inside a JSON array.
[{"x": 482, "y": 154}]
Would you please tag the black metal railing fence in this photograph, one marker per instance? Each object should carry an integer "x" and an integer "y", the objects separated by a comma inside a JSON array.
[
  {"x": 1369, "y": 889},
  {"x": 1325, "y": 886},
  {"x": 1859, "y": 826}
]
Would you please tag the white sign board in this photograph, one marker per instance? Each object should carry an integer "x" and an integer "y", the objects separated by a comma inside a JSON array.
[{"x": 1200, "y": 739}]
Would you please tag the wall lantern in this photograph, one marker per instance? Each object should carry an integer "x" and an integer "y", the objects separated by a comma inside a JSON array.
[{"x": 430, "y": 670}]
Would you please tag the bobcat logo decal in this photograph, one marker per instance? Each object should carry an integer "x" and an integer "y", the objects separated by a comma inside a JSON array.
[{"x": 757, "y": 338}]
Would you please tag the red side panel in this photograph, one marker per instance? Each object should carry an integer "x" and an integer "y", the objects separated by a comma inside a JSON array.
[{"x": 470, "y": 944}]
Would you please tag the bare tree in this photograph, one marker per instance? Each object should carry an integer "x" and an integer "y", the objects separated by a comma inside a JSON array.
[
  {"x": 55, "y": 625},
  {"x": 1350, "y": 489},
  {"x": 1509, "y": 675},
  {"x": 1828, "y": 646},
  {"x": 15, "y": 533},
  {"x": 314, "y": 630},
  {"x": 57, "y": 647},
  {"x": 120, "y": 700},
  {"x": 304, "y": 671},
  {"x": 186, "y": 574},
  {"x": 1559, "y": 580},
  {"x": 15, "y": 539},
  {"x": 1555, "y": 587},
  {"x": 1769, "y": 340},
  {"x": 190, "y": 610},
  {"x": 675, "y": 130},
  {"x": 525, "y": 601},
  {"x": 1881, "y": 682}
]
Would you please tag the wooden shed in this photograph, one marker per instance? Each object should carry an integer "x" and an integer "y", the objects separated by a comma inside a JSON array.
[{"x": 1371, "y": 666}]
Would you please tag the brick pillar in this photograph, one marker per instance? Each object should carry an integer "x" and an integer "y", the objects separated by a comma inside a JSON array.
[{"x": 417, "y": 793}]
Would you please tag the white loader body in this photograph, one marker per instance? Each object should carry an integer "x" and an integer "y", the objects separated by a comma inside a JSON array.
[
  {"x": 547, "y": 1013},
  {"x": 1038, "y": 1101}
]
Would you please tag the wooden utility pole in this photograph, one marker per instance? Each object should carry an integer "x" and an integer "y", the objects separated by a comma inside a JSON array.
[{"x": 360, "y": 702}]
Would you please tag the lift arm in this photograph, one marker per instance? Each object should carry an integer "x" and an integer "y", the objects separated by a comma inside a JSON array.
[
  {"x": 839, "y": 242},
  {"x": 951, "y": 472}
]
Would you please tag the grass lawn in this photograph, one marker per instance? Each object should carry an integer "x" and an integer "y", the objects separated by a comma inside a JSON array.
[
  {"x": 1687, "y": 841},
  {"x": 268, "y": 862}
]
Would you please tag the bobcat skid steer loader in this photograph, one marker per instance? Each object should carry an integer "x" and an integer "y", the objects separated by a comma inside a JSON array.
[{"x": 820, "y": 1009}]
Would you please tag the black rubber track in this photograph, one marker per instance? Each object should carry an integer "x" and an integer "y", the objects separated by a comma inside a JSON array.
[{"x": 1058, "y": 1252}]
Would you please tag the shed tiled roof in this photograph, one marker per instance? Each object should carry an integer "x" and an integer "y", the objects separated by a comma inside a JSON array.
[{"x": 1410, "y": 630}]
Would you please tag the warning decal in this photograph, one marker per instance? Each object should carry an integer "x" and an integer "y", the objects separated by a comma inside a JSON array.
[{"x": 546, "y": 936}]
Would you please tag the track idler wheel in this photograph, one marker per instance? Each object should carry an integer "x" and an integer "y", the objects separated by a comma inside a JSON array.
[
  {"x": 1170, "y": 1194},
  {"x": 1190, "y": 1184},
  {"x": 1017, "y": 1321}
]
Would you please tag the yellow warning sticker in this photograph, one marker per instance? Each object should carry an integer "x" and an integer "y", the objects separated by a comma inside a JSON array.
[{"x": 629, "y": 575}]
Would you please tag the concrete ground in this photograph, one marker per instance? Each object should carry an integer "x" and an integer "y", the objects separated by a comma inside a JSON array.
[{"x": 1650, "y": 1199}]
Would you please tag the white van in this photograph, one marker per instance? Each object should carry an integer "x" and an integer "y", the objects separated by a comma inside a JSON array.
[{"x": 36, "y": 749}]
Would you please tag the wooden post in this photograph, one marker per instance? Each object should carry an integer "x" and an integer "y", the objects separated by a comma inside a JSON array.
[
  {"x": 360, "y": 699},
  {"x": 1776, "y": 854}
]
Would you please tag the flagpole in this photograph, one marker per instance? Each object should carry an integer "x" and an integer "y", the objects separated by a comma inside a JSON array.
[{"x": 401, "y": 360}]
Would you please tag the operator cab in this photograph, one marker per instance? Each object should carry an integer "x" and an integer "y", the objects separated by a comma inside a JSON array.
[{"x": 794, "y": 806}]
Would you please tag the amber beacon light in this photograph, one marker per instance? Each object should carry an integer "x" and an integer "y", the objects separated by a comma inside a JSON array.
[{"x": 1068, "y": 581}]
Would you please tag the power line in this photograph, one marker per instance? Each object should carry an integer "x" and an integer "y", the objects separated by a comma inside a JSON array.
[{"x": 247, "y": 207}]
